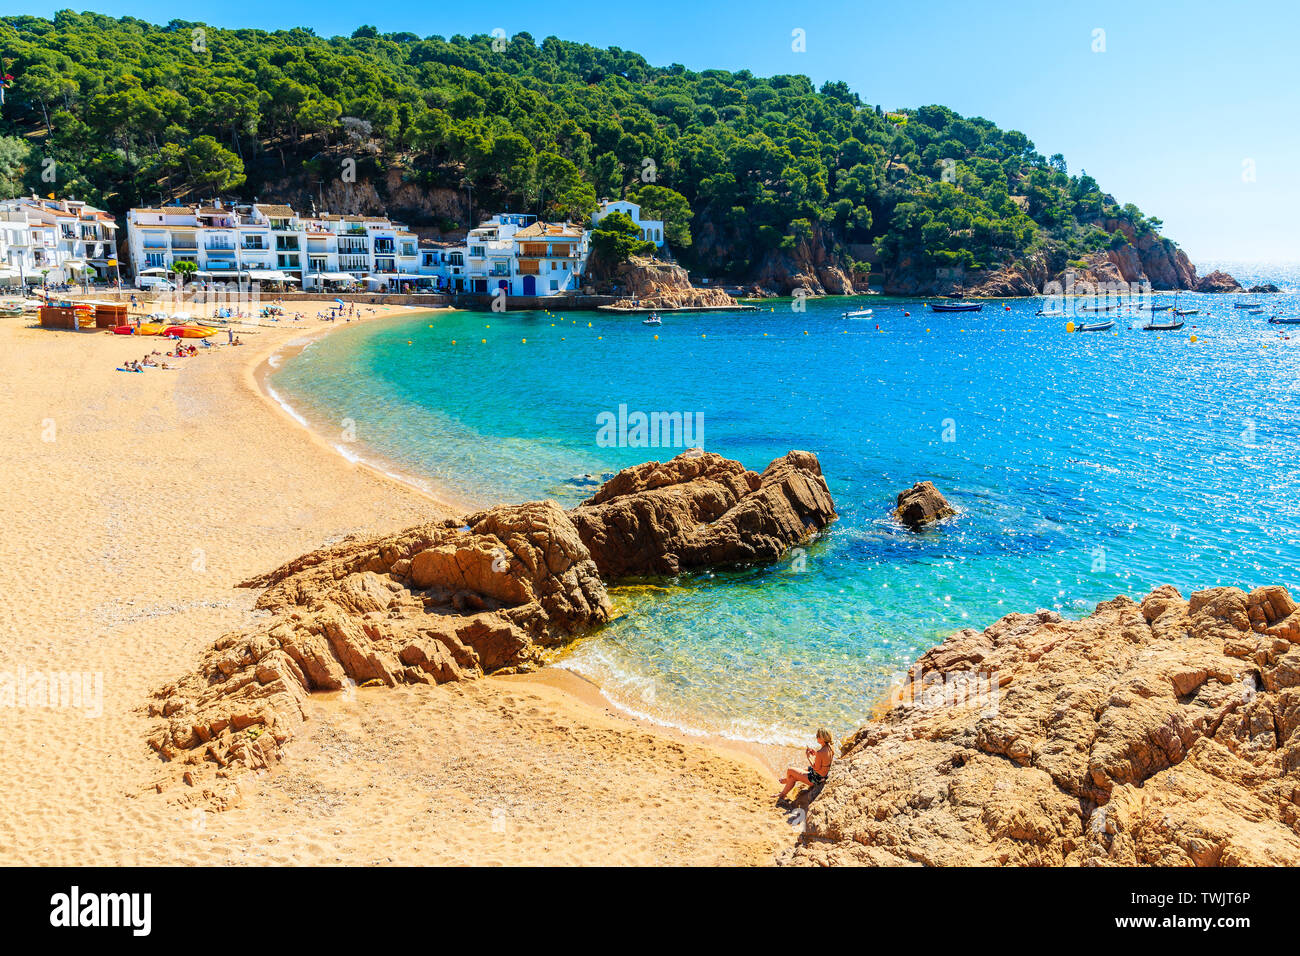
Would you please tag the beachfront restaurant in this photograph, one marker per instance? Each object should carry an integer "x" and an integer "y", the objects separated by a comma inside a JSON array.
[
  {"x": 329, "y": 281},
  {"x": 402, "y": 282},
  {"x": 272, "y": 277}
]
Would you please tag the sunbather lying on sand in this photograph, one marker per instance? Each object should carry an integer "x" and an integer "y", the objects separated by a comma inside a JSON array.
[{"x": 819, "y": 765}]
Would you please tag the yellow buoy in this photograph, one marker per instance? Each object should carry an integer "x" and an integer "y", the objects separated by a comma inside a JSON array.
[
  {"x": 1193, "y": 338},
  {"x": 484, "y": 341},
  {"x": 524, "y": 341},
  {"x": 656, "y": 338},
  {"x": 1069, "y": 326}
]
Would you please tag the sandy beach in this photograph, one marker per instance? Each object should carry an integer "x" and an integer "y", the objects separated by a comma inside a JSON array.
[{"x": 131, "y": 507}]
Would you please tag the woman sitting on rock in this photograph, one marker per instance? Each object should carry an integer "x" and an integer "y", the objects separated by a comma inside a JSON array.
[{"x": 819, "y": 765}]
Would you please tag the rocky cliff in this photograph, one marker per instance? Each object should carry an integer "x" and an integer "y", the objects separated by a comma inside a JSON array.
[
  {"x": 813, "y": 264},
  {"x": 821, "y": 267},
  {"x": 457, "y": 599},
  {"x": 1161, "y": 733}
]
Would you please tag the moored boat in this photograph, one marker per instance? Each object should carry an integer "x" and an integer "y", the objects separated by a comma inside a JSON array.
[
  {"x": 956, "y": 306},
  {"x": 1094, "y": 326},
  {"x": 652, "y": 319},
  {"x": 1284, "y": 320},
  {"x": 1163, "y": 326},
  {"x": 858, "y": 314}
]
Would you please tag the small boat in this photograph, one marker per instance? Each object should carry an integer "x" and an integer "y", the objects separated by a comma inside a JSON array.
[
  {"x": 151, "y": 328},
  {"x": 1155, "y": 308},
  {"x": 1094, "y": 326},
  {"x": 956, "y": 306},
  {"x": 1284, "y": 320},
  {"x": 652, "y": 319},
  {"x": 859, "y": 314},
  {"x": 1186, "y": 311},
  {"x": 1056, "y": 314},
  {"x": 1163, "y": 326},
  {"x": 189, "y": 331},
  {"x": 8, "y": 313},
  {"x": 1245, "y": 305},
  {"x": 1255, "y": 312},
  {"x": 1098, "y": 308}
]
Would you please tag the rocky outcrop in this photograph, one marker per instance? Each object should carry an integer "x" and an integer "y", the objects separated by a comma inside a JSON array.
[
  {"x": 1147, "y": 258},
  {"x": 1267, "y": 288},
  {"x": 1217, "y": 281},
  {"x": 431, "y": 604},
  {"x": 922, "y": 505},
  {"x": 460, "y": 598},
  {"x": 1162, "y": 733},
  {"x": 646, "y": 283},
  {"x": 702, "y": 511}
]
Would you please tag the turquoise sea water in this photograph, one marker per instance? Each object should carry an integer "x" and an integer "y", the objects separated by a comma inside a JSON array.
[{"x": 1084, "y": 466}]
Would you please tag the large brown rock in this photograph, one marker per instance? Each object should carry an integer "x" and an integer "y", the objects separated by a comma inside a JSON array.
[
  {"x": 1160, "y": 733},
  {"x": 645, "y": 283},
  {"x": 461, "y": 598},
  {"x": 430, "y": 604},
  {"x": 1217, "y": 281},
  {"x": 921, "y": 505},
  {"x": 702, "y": 510}
]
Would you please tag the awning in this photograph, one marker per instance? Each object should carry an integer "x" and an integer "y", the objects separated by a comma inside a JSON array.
[
  {"x": 333, "y": 276},
  {"x": 153, "y": 271},
  {"x": 271, "y": 275}
]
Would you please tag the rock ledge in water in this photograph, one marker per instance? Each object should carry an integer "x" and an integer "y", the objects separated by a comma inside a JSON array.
[{"x": 920, "y": 505}]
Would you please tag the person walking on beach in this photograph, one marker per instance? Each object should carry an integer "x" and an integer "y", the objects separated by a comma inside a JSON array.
[{"x": 819, "y": 765}]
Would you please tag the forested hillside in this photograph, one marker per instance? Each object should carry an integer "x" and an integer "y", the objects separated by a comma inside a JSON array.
[{"x": 744, "y": 168}]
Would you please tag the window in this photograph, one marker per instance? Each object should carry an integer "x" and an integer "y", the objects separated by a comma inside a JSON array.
[{"x": 555, "y": 285}]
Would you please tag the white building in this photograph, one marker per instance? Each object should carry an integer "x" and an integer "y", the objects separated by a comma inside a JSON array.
[
  {"x": 329, "y": 252},
  {"x": 652, "y": 230},
  {"x": 260, "y": 242},
  {"x": 55, "y": 240},
  {"x": 524, "y": 256}
]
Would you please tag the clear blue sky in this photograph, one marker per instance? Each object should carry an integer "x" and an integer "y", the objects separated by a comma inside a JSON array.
[{"x": 1183, "y": 95}]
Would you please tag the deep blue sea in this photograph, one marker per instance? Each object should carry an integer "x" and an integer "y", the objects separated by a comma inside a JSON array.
[{"x": 1084, "y": 465}]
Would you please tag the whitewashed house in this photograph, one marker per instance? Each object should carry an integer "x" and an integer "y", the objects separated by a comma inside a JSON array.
[
  {"x": 260, "y": 242},
  {"x": 55, "y": 240},
  {"x": 652, "y": 230}
]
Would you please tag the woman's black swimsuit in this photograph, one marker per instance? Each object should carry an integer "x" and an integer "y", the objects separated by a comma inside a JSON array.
[{"x": 814, "y": 777}]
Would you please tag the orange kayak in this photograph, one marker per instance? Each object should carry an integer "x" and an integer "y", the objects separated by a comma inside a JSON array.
[
  {"x": 189, "y": 331},
  {"x": 146, "y": 328}
]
